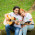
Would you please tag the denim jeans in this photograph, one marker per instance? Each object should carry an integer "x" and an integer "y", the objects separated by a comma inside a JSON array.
[
  {"x": 24, "y": 29},
  {"x": 9, "y": 28}
]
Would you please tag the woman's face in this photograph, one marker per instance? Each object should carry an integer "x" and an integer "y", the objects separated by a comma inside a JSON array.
[
  {"x": 16, "y": 11},
  {"x": 22, "y": 13}
]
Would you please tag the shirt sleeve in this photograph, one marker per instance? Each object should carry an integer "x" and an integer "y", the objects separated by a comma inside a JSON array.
[
  {"x": 4, "y": 22},
  {"x": 11, "y": 13},
  {"x": 29, "y": 16}
]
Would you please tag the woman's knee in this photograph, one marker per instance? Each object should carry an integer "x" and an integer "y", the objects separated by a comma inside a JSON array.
[
  {"x": 25, "y": 29},
  {"x": 31, "y": 27}
]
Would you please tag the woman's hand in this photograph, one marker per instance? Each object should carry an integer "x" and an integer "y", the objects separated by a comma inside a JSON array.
[
  {"x": 17, "y": 23},
  {"x": 30, "y": 23}
]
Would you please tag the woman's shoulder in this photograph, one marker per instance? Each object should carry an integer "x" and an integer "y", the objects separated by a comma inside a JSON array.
[{"x": 28, "y": 13}]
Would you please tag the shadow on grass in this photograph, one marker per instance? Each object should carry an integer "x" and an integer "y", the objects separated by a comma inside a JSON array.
[{"x": 3, "y": 32}]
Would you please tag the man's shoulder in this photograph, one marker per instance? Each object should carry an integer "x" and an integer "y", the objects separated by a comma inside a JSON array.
[{"x": 11, "y": 12}]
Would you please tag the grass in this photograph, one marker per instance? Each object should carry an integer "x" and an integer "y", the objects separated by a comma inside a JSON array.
[
  {"x": 6, "y": 6},
  {"x": 33, "y": 15}
]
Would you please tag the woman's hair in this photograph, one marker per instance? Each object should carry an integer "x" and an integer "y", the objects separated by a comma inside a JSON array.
[
  {"x": 15, "y": 8},
  {"x": 21, "y": 10}
]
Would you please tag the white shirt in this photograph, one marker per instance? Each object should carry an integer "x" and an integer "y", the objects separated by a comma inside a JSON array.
[
  {"x": 18, "y": 17},
  {"x": 27, "y": 17}
]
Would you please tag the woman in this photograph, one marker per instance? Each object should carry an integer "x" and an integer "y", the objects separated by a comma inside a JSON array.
[{"x": 26, "y": 17}]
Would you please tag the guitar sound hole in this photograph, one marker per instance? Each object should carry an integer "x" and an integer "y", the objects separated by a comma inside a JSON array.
[
  {"x": 10, "y": 19},
  {"x": 12, "y": 24}
]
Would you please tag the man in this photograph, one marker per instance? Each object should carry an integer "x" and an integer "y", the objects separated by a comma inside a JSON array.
[{"x": 15, "y": 27}]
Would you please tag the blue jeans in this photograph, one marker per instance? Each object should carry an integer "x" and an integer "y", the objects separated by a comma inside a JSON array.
[
  {"x": 24, "y": 29},
  {"x": 9, "y": 28}
]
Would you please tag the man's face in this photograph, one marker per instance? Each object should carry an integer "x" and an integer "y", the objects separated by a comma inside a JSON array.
[{"x": 16, "y": 11}]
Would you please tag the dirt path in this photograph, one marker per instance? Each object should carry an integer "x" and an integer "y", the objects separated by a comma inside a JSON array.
[{"x": 32, "y": 8}]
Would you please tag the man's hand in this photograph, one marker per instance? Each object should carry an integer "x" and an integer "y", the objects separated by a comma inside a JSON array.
[{"x": 6, "y": 16}]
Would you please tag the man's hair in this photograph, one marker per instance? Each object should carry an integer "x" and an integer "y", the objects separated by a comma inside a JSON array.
[{"x": 15, "y": 8}]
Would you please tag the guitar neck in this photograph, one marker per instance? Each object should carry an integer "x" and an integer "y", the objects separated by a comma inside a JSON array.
[{"x": 21, "y": 22}]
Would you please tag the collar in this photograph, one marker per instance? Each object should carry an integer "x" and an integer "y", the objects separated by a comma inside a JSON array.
[{"x": 15, "y": 14}]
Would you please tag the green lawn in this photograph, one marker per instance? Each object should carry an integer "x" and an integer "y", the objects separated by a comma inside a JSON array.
[
  {"x": 33, "y": 15},
  {"x": 6, "y": 6}
]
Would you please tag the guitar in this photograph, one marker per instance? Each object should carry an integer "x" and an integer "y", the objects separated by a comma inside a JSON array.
[
  {"x": 9, "y": 20},
  {"x": 12, "y": 20}
]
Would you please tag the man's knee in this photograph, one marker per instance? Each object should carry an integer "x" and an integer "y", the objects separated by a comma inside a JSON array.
[{"x": 7, "y": 26}]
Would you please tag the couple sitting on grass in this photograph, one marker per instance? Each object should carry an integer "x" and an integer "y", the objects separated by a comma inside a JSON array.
[{"x": 16, "y": 26}]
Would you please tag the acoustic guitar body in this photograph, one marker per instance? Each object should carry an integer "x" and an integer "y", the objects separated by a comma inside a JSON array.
[{"x": 11, "y": 22}]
